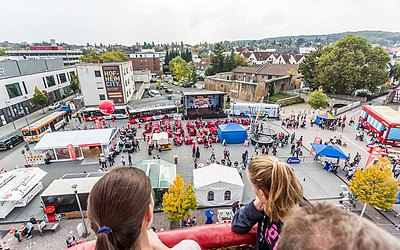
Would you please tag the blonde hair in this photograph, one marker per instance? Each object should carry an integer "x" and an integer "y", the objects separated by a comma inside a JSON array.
[{"x": 278, "y": 180}]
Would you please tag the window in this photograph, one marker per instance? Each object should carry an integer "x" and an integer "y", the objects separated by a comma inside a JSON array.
[
  {"x": 210, "y": 196},
  {"x": 97, "y": 73},
  {"x": 13, "y": 90},
  {"x": 23, "y": 84},
  {"x": 100, "y": 85},
  {"x": 102, "y": 97},
  {"x": 227, "y": 195},
  {"x": 50, "y": 81},
  {"x": 63, "y": 78}
]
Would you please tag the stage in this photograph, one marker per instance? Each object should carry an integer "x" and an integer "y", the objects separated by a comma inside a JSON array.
[{"x": 205, "y": 104}]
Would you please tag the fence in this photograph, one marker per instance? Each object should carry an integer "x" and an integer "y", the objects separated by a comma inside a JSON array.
[{"x": 347, "y": 108}]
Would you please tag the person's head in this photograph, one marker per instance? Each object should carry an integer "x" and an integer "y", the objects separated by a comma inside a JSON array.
[
  {"x": 121, "y": 200},
  {"x": 323, "y": 226},
  {"x": 275, "y": 184}
]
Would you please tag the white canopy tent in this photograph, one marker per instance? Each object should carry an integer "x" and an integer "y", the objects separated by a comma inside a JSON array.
[
  {"x": 18, "y": 187},
  {"x": 161, "y": 138},
  {"x": 217, "y": 185}
]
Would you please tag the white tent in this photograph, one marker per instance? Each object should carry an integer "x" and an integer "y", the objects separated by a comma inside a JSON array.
[
  {"x": 161, "y": 138},
  {"x": 217, "y": 185}
]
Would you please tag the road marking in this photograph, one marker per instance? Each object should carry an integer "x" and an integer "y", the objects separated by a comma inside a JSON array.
[{"x": 352, "y": 142}]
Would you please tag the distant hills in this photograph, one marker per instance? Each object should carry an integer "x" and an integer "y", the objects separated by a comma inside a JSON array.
[{"x": 384, "y": 38}]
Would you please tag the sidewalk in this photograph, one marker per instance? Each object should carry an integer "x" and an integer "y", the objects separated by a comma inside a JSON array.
[{"x": 21, "y": 123}]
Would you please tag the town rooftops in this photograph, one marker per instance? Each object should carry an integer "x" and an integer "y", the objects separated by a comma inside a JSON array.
[{"x": 268, "y": 69}]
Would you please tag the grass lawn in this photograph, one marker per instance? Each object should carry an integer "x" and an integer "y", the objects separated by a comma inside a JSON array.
[{"x": 279, "y": 96}]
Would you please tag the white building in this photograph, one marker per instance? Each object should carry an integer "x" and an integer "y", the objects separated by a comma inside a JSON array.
[
  {"x": 142, "y": 80},
  {"x": 18, "y": 80},
  {"x": 69, "y": 57},
  {"x": 106, "y": 81}
]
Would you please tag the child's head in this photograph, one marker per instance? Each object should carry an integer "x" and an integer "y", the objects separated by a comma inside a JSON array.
[
  {"x": 120, "y": 208},
  {"x": 275, "y": 184}
]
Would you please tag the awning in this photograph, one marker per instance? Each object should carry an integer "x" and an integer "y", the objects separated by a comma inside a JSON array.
[{"x": 331, "y": 151}]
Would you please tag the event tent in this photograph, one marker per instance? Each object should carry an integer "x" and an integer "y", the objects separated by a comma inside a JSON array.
[
  {"x": 161, "y": 173},
  {"x": 324, "y": 117},
  {"x": 331, "y": 151},
  {"x": 232, "y": 133},
  {"x": 217, "y": 185},
  {"x": 161, "y": 138}
]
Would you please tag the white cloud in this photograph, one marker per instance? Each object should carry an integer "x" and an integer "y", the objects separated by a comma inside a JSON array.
[{"x": 131, "y": 21}]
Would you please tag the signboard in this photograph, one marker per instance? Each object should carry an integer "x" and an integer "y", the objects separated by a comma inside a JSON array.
[
  {"x": 113, "y": 83},
  {"x": 293, "y": 160}
]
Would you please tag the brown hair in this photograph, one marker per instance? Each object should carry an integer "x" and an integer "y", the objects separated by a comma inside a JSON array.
[
  {"x": 280, "y": 183},
  {"x": 323, "y": 226},
  {"x": 119, "y": 200}
]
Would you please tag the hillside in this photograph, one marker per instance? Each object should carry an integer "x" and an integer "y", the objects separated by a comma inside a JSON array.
[{"x": 384, "y": 38}]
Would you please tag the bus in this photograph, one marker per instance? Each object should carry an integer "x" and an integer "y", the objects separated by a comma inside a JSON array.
[
  {"x": 93, "y": 113},
  {"x": 382, "y": 121},
  {"x": 50, "y": 123},
  {"x": 152, "y": 113},
  {"x": 254, "y": 109}
]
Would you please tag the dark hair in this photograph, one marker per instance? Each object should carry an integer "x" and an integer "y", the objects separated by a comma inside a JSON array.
[{"x": 119, "y": 200}]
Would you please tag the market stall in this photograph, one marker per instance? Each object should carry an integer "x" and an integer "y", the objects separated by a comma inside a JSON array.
[
  {"x": 326, "y": 117},
  {"x": 217, "y": 185},
  {"x": 18, "y": 187},
  {"x": 77, "y": 145}
]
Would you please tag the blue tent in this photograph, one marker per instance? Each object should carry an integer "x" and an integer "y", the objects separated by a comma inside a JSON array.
[
  {"x": 331, "y": 151},
  {"x": 232, "y": 133},
  {"x": 324, "y": 117}
]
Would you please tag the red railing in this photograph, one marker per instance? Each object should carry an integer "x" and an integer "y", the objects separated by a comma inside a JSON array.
[{"x": 208, "y": 237}]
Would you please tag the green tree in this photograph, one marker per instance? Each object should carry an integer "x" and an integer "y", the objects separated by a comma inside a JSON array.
[
  {"x": 109, "y": 56},
  {"x": 230, "y": 62},
  {"x": 217, "y": 59},
  {"x": 74, "y": 83},
  {"x": 179, "y": 200},
  {"x": 352, "y": 64},
  {"x": 90, "y": 57},
  {"x": 3, "y": 52},
  {"x": 192, "y": 73},
  {"x": 307, "y": 67},
  {"x": 39, "y": 98},
  {"x": 179, "y": 68},
  {"x": 376, "y": 185},
  {"x": 395, "y": 71},
  {"x": 318, "y": 99},
  {"x": 241, "y": 61}
]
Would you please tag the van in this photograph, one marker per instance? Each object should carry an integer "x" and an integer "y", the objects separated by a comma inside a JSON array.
[{"x": 154, "y": 93}]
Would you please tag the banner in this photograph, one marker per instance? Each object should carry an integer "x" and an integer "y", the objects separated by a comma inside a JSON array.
[
  {"x": 374, "y": 154},
  {"x": 113, "y": 83}
]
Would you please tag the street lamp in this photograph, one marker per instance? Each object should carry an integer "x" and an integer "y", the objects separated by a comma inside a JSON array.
[
  {"x": 12, "y": 119},
  {"x": 75, "y": 189}
]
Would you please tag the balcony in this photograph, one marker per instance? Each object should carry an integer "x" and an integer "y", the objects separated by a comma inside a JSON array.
[{"x": 212, "y": 236}]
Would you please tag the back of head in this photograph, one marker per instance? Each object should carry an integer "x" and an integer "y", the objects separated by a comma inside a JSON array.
[
  {"x": 278, "y": 180},
  {"x": 119, "y": 201},
  {"x": 323, "y": 226}
]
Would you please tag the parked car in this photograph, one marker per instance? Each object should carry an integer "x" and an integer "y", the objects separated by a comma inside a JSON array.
[
  {"x": 164, "y": 86},
  {"x": 154, "y": 93},
  {"x": 176, "y": 83},
  {"x": 10, "y": 141},
  {"x": 169, "y": 90},
  {"x": 186, "y": 85},
  {"x": 54, "y": 106}
]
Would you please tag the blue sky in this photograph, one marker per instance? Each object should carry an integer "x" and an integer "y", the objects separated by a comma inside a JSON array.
[{"x": 131, "y": 21}]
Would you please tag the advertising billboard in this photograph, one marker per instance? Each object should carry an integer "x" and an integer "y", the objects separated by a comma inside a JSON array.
[{"x": 113, "y": 83}]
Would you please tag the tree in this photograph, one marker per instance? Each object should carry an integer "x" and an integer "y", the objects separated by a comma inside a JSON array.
[
  {"x": 395, "y": 71},
  {"x": 109, "y": 56},
  {"x": 3, "y": 52},
  {"x": 39, "y": 98},
  {"x": 318, "y": 99},
  {"x": 217, "y": 59},
  {"x": 74, "y": 83},
  {"x": 308, "y": 66},
  {"x": 352, "y": 64},
  {"x": 179, "y": 200},
  {"x": 241, "y": 61},
  {"x": 230, "y": 62},
  {"x": 179, "y": 68},
  {"x": 192, "y": 73},
  {"x": 376, "y": 185}
]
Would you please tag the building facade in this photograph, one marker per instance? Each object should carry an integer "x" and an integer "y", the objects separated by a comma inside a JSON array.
[
  {"x": 18, "y": 80},
  {"x": 106, "y": 81},
  {"x": 146, "y": 61},
  {"x": 69, "y": 57},
  {"x": 255, "y": 83}
]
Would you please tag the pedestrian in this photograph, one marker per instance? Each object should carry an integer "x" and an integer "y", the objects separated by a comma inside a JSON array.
[
  {"x": 197, "y": 152},
  {"x": 225, "y": 153},
  {"x": 240, "y": 170},
  {"x": 129, "y": 160},
  {"x": 193, "y": 150},
  {"x": 123, "y": 160},
  {"x": 212, "y": 157},
  {"x": 17, "y": 235},
  {"x": 175, "y": 159},
  {"x": 235, "y": 207},
  {"x": 292, "y": 137},
  {"x": 195, "y": 163},
  {"x": 343, "y": 125},
  {"x": 292, "y": 149},
  {"x": 301, "y": 140},
  {"x": 102, "y": 161},
  {"x": 110, "y": 160},
  {"x": 28, "y": 230}
]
